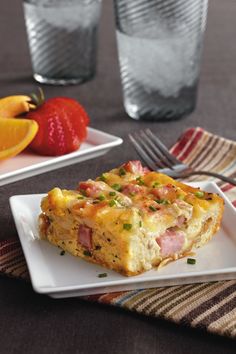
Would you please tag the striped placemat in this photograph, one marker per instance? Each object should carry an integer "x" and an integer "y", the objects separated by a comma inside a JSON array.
[{"x": 208, "y": 306}]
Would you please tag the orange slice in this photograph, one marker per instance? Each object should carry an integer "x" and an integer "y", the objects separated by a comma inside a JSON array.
[
  {"x": 13, "y": 106},
  {"x": 15, "y": 135}
]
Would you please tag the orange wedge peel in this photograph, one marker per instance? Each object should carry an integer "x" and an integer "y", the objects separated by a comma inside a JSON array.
[
  {"x": 13, "y": 106},
  {"x": 15, "y": 135}
]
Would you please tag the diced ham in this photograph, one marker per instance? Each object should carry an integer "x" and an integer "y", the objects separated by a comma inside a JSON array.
[
  {"x": 167, "y": 192},
  {"x": 135, "y": 167},
  {"x": 146, "y": 170},
  {"x": 91, "y": 189},
  {"x": 85, "y": 236},
  {"x": 180, "y": 220},
  {"x": 131, "y": 189},
  {"x": 170, "y": 242}
]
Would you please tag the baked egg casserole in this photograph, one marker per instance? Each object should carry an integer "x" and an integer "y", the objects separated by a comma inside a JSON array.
[{"x": 130, "y": 219}]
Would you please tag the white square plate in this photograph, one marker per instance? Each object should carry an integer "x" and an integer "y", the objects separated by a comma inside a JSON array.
[
  {"x": 66, "y": 276},
  {"x": 28, "y": 164}
]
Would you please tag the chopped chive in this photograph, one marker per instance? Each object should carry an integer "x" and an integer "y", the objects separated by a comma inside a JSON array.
[
  {"x": 162, "y": 201},
  {"x": 62, "y": 253},
  {"x": 103, "y": 178},
  {"x": 191, "y": 261},
  {"x": 140, "y": 223},
  {"x": 140, "y": 181},
  {"x": 102, "y": 275},
  {"x": 80, "y": 197},
  {"x": 87, "y": 253},
  {"x": 116, "y": 186},
  {"x": 101, "y": 197},
  {"x": 122, "y": 171},
  {"x": 127, "y": 226},
  {"x": 112, "y": 202},
  {"x": 199, "y": 194},
  {"x": 152, "y": 208},
  {"x": 155, "y": 184},
  {"x": 165, "y": 202},
  {"x": 112, "y": 194}
]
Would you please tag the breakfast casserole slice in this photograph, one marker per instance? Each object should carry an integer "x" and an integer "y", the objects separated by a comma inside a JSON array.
[{"x": 130, "y": 219}]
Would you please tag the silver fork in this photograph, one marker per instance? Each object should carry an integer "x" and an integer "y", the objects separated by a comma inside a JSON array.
[{"x": 158, "y": 158}]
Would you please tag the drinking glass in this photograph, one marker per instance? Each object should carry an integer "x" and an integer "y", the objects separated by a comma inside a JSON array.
[
  {"x": 159, "y": 47},
  {"x": 62, "y": 36}
]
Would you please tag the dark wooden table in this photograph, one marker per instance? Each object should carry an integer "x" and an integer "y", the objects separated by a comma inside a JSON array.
[{"x": 31, "y": 323}]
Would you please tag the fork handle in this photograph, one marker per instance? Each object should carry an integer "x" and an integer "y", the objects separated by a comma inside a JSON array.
[{"x": 208, "y": 173}]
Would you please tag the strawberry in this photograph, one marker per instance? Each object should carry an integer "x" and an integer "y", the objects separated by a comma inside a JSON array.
[{"x": 62, "y": 125}]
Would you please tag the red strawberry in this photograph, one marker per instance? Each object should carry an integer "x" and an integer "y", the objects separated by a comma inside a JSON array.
[{"x": 62, "y": 126}]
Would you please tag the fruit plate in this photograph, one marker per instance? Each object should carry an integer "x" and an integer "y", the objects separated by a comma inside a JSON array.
[
  {"x": 66, "y": 276},
  {"x": 28, "y": 164}
]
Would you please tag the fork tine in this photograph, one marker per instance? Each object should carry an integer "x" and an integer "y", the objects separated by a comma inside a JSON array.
[
  {"x": 162, "y": 148},
  {"x": 155, "y": 151},
  {"x": 141, "y": 138},
  {"x": 142, "y": 153}
]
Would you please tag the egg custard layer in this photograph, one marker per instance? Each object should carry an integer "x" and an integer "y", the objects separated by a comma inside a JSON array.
[{"x": 129, "y": 219}]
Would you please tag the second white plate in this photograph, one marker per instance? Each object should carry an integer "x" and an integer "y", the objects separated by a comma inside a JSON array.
[
  {"x": 28, "y": 164},
  {"x": 66, "y": 276}
]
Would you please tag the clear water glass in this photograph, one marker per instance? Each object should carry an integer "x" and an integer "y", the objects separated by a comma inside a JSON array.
[
  {"x": 159, "y": 46},
  {"x": 62, "y": 36}
]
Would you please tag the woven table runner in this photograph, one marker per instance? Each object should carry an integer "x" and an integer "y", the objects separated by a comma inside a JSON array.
[{"x": 208, "y": 306}]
